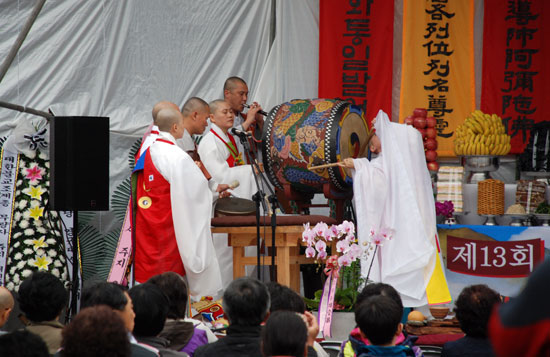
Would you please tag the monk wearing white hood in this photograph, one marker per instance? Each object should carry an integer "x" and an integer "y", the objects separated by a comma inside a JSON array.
[{"x": 393, "y": 193}]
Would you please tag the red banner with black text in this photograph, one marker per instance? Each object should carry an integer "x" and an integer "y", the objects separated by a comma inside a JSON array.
[
  {"x": 516, "y": 69},
  {"x": 355, "y": 53}
]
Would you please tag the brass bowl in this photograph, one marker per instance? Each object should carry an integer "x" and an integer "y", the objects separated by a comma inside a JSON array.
[{"x": 439, "y": 312}]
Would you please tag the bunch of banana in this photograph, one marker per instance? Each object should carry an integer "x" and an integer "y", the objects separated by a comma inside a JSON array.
[{"x": 481, "y": 134}]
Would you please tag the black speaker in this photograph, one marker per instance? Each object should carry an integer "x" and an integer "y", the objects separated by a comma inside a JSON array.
[{"x": 79, "y": 163}]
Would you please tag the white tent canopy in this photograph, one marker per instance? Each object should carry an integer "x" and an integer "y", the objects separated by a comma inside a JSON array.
[{"x": 118, "y": 58}]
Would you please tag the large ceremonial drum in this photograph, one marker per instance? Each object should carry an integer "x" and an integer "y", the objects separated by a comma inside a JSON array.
[{"x": 303, "y": 133}]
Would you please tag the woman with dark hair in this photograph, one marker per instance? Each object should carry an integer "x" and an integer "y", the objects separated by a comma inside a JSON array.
[
  {"x": 284, "y": 334},
  {"x": 96, "y": 331},
  {"x": 42, "y": 297},
  {"x": 473, "y": 310},
  {"x": 185, "y": 334}
]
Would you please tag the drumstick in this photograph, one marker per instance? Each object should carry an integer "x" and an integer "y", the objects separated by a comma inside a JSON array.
[
  {"x": 311, "y": 168},
  {"x": 234, "y": 184}
]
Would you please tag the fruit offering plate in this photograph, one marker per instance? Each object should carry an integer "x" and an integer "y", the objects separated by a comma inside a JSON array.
[{"x": 480, "y": 163}]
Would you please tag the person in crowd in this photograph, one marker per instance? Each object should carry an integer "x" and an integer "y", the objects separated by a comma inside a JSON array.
[
  {"x": 379, "y": 321},
  {"x": 116, "y": 297},
  {"x": 96, "y": 331},
  {"x": 42, "y": 298},
  {"x": 357, "y": 338},
  {"x": 284, "y": 334},
  {"x": 184, "y": 334},
  {"x": 394, "y": 199},
  {"x": 473, "y": 309},
  {"x": 22, "y": 343},
  {"x": 220, "y": 154},
  {"x": 173, "y": 213},
  {"x": 246, "y": 306},
  {"x": 521, "y": 327},
  {"x": 235, "y": 93},
  {"x": 284, "y": 298},
  {"x": 6, "y": 306},
  {"x": 151, "y": 308}
]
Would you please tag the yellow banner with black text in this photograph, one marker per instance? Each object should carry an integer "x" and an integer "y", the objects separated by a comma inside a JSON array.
[{"x": 438, "y": 64}]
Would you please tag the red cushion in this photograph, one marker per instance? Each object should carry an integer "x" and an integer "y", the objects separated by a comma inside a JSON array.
[{"x": 243, "y": 221}]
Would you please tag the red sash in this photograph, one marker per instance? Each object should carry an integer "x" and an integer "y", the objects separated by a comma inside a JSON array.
[
  {"x": 156, "y": 246},
  {"x": 233, "y": 150}
]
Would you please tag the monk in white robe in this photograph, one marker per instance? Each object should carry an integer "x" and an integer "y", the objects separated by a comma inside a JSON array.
[
  {"x": 220, "y": 155},
  {"x": 188, "y": 225},
  {"x": 393, "y": 192}
]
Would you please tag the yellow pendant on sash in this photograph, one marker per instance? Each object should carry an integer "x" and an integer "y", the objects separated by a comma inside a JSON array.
[{"x": 144, "y": 202}]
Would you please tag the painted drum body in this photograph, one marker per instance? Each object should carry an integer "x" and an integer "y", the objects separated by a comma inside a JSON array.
[{"x": 309, "y": 132}]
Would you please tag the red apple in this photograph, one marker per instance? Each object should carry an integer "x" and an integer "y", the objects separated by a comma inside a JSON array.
[
  {"x": 420, "y": 112},
  {"x": 423, "y": 133},
  {"x": 431, "y": 155},
  {"x": 433, "y": 166},
  {"x": 430, "y": 144},
  {"x": 431, "y": 133},
  {"x": 409, "y": 120},
  {"x": 430, "y": 122},
  {"x": 419, "y": 122}
]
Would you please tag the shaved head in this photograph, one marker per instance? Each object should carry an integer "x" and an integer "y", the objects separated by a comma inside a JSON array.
[
  {"x": 232, "y": 82},
  {"x": 162, "y": 105},
  {"x": 167, "y": 117},
  {"x": 6, "y": 299},
  {"x": 193, "y": 104},
  {"x": 6, "y": 305},
  {"x": 214, "y": 105}
]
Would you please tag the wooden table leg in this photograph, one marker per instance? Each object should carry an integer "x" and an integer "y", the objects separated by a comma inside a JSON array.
[
  {"x": 283, "y": 265},
  {"x": 295, "y": 271},
  {"x": 238, "y": 265}
]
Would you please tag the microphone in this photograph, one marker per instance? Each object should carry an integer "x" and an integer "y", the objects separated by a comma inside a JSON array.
[
  {"x": 240, "y": 133},
  {"x": 259, "y": 111},
  {"x": 234, "y": 184}
]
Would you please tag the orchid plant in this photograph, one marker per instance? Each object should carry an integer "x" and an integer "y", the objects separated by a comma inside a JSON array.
[
  {"x": 445, "y": 209},
  {"x": 345, "y": 260}
]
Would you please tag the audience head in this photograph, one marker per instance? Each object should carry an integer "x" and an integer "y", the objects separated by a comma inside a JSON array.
[
  {"x": 113, "y": 295},
  {"x": 42, "y": 297},
  {"x": 284, "y": 298},
  {"x": 235, "y": 92},
  {"x": 151, "y": 308},
  {"x": 22, "y": 343},
  {"x": 171, "y": 121},
  {"x": 162, "y": 105},
  {"x": 221, "y": 114},
  {"x": 195, "y": 113},
  {"x": 246, "y": 302},
  {"x": 379, "y": 289},
  {"x": 175, "y": 289},
  {"x": 379, "y": 319},
  {"x": 284, "y": 334},
  {"x": 96, "y": 331},
  {"x": 473, "y": 309},
  {"x": 6, "y": 305}
]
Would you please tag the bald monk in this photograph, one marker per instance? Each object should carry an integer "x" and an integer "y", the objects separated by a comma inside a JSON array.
[
  {"x": 173, "y": 215},
  {"x": 152, "y": 131},
  {"x": 6, "y": 305}
]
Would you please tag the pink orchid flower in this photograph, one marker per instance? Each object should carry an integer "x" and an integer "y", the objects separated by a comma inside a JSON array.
[
  {"x": 344, "y": 260},
  {"x": 310, "y": 252}
]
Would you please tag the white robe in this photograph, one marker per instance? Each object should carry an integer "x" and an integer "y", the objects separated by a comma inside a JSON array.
[
  {"x": 214, "y": 153},
  {"x": 186, "y": 143},
  {"x": 191, "y": 202},
  {"x": 394, "y": 191}
]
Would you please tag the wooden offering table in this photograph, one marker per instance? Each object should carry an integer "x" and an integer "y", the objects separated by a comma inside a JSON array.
[{"x": 241, "y": 232}]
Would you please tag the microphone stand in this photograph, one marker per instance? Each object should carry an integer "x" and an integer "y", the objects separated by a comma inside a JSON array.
[{"x": 257, "y": 198}]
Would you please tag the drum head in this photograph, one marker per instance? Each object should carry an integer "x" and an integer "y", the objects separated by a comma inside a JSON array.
[
  {"x": 235, "y": 206},
  {"x": 353, "y": 139}
]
